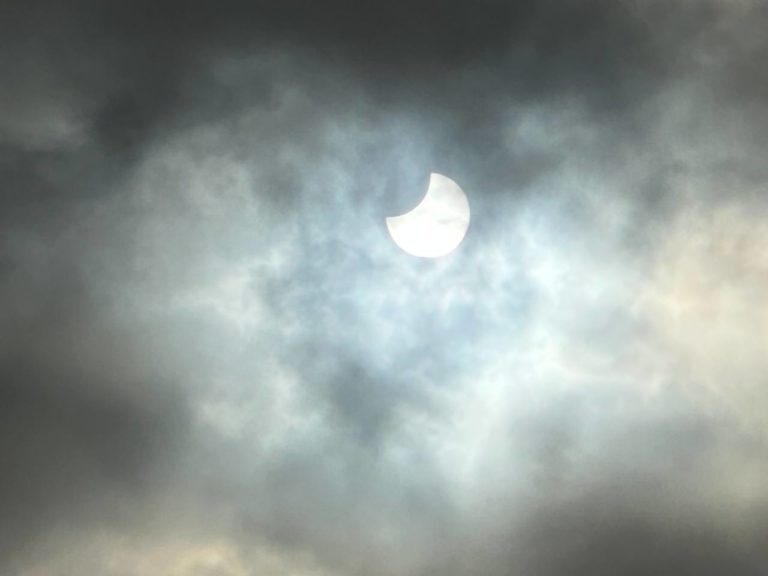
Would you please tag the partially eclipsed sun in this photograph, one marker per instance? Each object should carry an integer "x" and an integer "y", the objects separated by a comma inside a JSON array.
[{"x": 437, "y": 225}]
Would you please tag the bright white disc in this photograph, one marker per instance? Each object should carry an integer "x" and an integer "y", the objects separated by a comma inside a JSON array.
[{"x": 437, "y": 225}]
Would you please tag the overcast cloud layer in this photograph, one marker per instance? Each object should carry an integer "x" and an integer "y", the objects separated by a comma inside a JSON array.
[{"x": 214, "y": 360}]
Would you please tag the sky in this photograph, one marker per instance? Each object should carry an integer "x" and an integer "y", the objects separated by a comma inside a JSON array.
[{"x": 214, "y": 361}]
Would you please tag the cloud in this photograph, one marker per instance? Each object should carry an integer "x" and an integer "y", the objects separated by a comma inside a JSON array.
[
  {"x": 218, "y": 362},
  {"x": 87, "y": 425}
]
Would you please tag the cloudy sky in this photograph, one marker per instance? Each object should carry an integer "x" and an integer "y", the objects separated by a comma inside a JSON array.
[{"x": 214, "y": 361}]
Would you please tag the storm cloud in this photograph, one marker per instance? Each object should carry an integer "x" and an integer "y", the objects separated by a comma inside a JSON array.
[{"x": 215, "y": 361}]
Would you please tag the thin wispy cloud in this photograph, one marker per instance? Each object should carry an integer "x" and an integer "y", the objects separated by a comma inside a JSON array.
[{"x": 215, "y": 360}]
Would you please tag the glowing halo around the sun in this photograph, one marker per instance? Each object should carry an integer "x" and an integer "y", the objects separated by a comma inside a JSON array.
[{"x": 437, "y": 225}]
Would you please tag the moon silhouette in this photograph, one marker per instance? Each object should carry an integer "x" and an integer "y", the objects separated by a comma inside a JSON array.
[{"x": 437, "y": 225}]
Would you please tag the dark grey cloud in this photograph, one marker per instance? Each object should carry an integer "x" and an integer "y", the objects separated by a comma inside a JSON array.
[
  {"x": 87, "y": 425},
  {"x": 127, "y": 70},
  {"x": 214, "y": 361}
]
